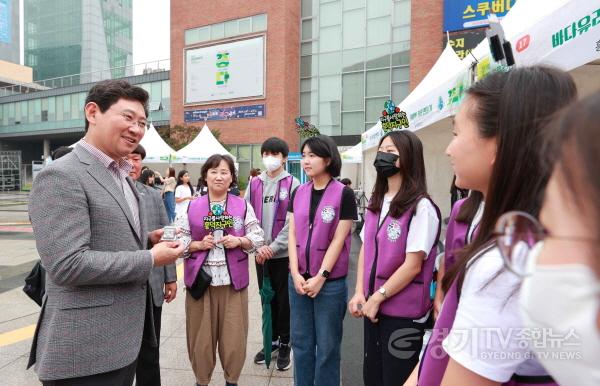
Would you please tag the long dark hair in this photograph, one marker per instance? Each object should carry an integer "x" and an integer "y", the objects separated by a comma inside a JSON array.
[
  {"x": 171, "y": 171},
  {"x": 180, "y": 180},
  {"x": 145, "y": 177},
  {"x": 412, "y": 170},
  {"x": 513, "y": 107}
]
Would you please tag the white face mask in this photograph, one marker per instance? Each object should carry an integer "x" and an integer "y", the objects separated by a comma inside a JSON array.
[
  {"x": 561, "y": 303},
  {"x": 271, "y": 163}
]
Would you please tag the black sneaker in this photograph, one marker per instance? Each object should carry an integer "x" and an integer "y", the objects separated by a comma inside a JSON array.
[
  {"x": 259, "y": 358},
  {"x": 283, "y": 359}
]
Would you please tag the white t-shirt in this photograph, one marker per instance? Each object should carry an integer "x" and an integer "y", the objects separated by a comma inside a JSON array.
[
  {"x": 421, "y": 233},
  {"x": 487, "y": 336},
  {"x": 182, "y": 191}
]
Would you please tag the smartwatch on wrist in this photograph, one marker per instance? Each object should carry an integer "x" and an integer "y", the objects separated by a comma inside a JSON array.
[{"x": 324, "y": 273}]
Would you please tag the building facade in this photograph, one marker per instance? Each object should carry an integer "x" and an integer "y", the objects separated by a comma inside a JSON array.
[
  {"x": 10, "y": 44},
  {"x": 85, "y": 37}
]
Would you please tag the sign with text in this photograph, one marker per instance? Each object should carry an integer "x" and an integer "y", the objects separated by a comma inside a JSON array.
[
  {"x": 225, "y": 71},
  {"x": 463, "y": 42},
  {"x": 465, "y": 14},
  {"x": 225, "y": 113}
]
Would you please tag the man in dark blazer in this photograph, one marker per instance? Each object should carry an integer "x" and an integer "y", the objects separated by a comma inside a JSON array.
[
  {"x": 163, "y": 280},
  {"x": 91, "y": 238}
]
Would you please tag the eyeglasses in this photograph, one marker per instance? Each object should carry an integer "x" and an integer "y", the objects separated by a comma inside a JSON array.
[
  {"x": 127, "y": 117},
  {"x": 517, "y": 233}
]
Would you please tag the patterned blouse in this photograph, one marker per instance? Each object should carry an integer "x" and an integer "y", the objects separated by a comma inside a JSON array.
[{"x": 215, "y": 264}]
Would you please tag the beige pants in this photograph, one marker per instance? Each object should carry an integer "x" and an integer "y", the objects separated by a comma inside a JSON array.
[{"x": 220, "y": 317}]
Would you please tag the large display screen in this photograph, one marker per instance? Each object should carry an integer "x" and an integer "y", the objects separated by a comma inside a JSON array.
[{"x": 225, "y": 71}]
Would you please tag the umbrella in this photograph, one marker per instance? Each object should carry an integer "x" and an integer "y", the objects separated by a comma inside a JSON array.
[{"x": 266, "y": 295}]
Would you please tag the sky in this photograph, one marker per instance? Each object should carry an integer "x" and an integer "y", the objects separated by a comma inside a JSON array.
[{"x": 151, "y": 30}]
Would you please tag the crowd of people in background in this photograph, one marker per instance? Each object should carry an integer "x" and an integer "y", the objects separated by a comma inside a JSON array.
[{"x": 522, "y": 231}]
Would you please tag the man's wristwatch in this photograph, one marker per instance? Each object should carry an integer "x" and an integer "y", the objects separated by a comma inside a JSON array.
[
  {"x": 324, "y": 273},
  {"x": 383, "y": 292}
]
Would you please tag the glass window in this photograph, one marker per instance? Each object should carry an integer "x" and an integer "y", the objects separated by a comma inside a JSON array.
[
  {"x": 400, "y": 74},
  {"x": 306, "y": 48},
  {"x": 204, "y": 33},
  {"x": 330, "y": 63},
  {"x": 245, "y": 25},
  {"x": 75, "y": 110},
  {"x": 353, "y": 4},
  {"x": 259, "y": 22},
  {"x": 217, "y": 31},
  {"x": 52, "y": 109},
  {"x": 378, "y": 56},
  {"x": 399, "y": 91},
  {"x": 307, "y": 63},
  {"x": 305, "y": 103},
  {"x": 166, "y": 94},
  {"x": 401, "y": 33},
  {"x": 231, "y": 28},
  {"x": 353, "y": 60},
  {"x": 307, "y": 29},
  {"x": 330, "y": 14},
  {"x": 4, "y": 114},
  {"x": 244, "y": 153},
  {"x": 401, "y": 53},
  {"x": 378, "y": 8},
  {"x": 257, "y": 157},
  {"x": 352, "y": 123},
  {"x": 378, "y": 83},
  {"x": 24, "y": 112},
  {"x": 374, "y": 107},
  {"x": 330, "y": 88},
  {"x": 191, "y": 36},
  {"x": 378, "y": 30},
  {"x": 330, "y": 38},
  {"x": 401, "y": 12},
  {"x": 306, "y": 8},
  {"x": 353, "y": 91},
  {"x": 354, "y": 28},
  {"x": 155, "y": 91},
  {"x": 66, "y": 107},
  {"x": 305, "y": 84},
  {"x": 329, "y": 113}
]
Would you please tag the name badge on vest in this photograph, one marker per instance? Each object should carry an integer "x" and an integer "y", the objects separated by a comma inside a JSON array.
[
  {"x": 393, "y": 230},
  {"x": 328, "y": 214},
  {"x": 217, "y": 218}
]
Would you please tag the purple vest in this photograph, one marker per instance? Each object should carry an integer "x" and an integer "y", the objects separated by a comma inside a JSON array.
[
  {"x": 435, "y": 359},
  {"x": 282, "y": 199},
  {"x": 384, "y": 253},
  {"x": 456, "y": 236},
  {"x": 237, "y": 259},
  {"x": 314, "y": 239}
]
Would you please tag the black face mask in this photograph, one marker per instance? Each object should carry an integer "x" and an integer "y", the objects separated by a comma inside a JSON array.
[{"x": 385, "y": 164}]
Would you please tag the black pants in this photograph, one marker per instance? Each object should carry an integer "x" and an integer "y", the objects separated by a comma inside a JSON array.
[
  {"x": 278, "y": 270},
  {"x": 392, "y": 347},
  {"x": 119, "y": 377},
  {"x": 147, "y": 372}
]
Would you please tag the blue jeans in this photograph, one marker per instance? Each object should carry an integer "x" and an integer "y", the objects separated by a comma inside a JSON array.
[
  {"x": 169, "y": 200},
  {"x": 316, "y": 333}
]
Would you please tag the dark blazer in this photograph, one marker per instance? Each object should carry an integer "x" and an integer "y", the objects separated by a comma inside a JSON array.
[{"x": 155, "y": 216}]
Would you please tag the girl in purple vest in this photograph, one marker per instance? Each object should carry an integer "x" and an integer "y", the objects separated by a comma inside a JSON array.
[
  {"x": 322, "y": 212},
  {"x": 479, "y": 338},
  {"x": 220, "y": 230},
  {"x": 395, "y": 263},
  {"x": 463, "y": 222},
  {"x": 561, "y": 276}
]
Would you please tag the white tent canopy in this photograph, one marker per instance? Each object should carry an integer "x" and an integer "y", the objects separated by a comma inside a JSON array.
[
  {"x": 353, "y": 155},
  {"x": 201, "y": 148},
  {"x": 157, "y": 150}
]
